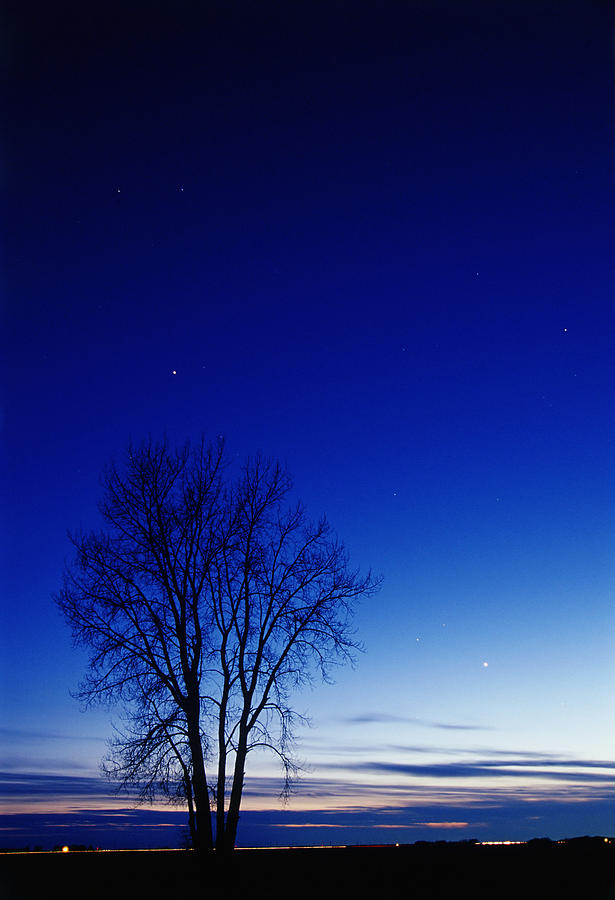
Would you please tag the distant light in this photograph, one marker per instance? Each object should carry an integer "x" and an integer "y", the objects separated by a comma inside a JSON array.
[
  {"x": 65, "y": 849},
  {"x": 174, "y": 372},
  {"x": 485, "y": 665},
  {"x": 500, "y": 843}
]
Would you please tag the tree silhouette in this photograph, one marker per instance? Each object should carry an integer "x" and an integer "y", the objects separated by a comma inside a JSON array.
[{"x": 205, "y": 602}]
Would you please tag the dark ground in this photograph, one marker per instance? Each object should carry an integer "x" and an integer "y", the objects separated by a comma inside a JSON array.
[{"x": 583, "y": 868}]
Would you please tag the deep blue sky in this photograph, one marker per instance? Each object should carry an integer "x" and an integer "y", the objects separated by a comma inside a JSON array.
[{"x": 375, "y": 241}]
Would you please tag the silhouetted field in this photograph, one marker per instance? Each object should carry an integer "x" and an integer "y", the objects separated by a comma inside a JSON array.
[{"x": 583, "y": 868}]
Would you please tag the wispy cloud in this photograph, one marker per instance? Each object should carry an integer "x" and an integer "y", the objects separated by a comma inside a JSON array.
[
  {"x": 36, "y": 784},
  {"x": 562, "y": 770},
  {"x": 20, "y": 734},
  {"x": 370, "y": 718},
  {"x": 472, "y": 751},
  {"x": 43, "y": 764}
]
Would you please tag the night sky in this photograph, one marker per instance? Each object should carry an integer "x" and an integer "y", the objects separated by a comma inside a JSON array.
[{"x": 375, "y": 241}]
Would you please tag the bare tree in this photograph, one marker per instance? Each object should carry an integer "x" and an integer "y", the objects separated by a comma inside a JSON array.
[{"x": 206, "y": 601}]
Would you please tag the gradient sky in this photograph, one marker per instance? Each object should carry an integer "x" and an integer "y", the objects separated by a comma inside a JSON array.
[{"x": 374, "y": 240}]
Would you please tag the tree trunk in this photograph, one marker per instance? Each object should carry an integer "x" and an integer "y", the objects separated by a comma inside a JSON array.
[
  {"x": 202, "y": 810},
  {"x": 222, "y": 757},
  {"x": 220, "y": 803},
  {"x": 232, "y": 818},
  {"x": 190, "y": 800}
]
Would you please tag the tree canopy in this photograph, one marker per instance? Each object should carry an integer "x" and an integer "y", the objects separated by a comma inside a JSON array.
[{"x": 205, "y": 601}]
